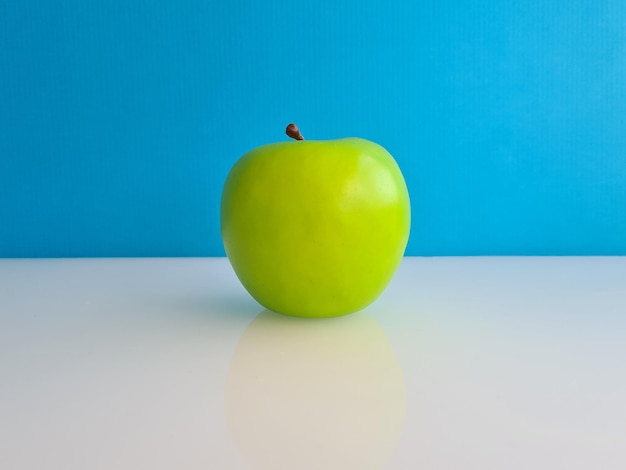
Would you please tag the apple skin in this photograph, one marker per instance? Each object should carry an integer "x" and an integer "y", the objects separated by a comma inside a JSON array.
[{"x": 315, "y": 228}]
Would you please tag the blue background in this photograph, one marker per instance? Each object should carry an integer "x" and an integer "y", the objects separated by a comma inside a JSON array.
[{"x": 119, "y": 120}]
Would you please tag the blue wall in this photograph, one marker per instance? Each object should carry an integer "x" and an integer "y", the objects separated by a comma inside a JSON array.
[{"x": 119, "y": 119}]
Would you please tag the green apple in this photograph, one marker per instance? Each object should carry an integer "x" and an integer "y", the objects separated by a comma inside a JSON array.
[{"x": 315, "y": 228}]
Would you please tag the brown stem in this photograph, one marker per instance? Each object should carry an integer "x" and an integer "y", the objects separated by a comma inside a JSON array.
[{"x": 293, "y": 132}]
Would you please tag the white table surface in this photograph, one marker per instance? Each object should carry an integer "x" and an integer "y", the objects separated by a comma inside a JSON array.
[{"x": 463, "y": 363}]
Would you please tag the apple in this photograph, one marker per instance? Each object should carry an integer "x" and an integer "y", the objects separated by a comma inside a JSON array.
[{"x": 315, "y": 228}]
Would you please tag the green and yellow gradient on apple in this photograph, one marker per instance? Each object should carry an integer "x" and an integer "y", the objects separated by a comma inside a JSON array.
[{"x": 315, "y": 228}]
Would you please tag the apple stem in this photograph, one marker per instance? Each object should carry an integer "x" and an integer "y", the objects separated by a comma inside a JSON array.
[{"x": 293, "y": 132}]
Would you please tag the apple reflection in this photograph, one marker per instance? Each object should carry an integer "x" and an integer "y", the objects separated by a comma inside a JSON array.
[{"x": 315, "y": 394}]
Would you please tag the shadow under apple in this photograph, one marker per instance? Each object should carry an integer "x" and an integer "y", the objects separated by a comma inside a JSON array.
[{"x": 315, "y": 394}]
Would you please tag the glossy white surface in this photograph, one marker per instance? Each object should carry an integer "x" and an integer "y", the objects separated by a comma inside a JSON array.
[{"x": 463, "y": 363}]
